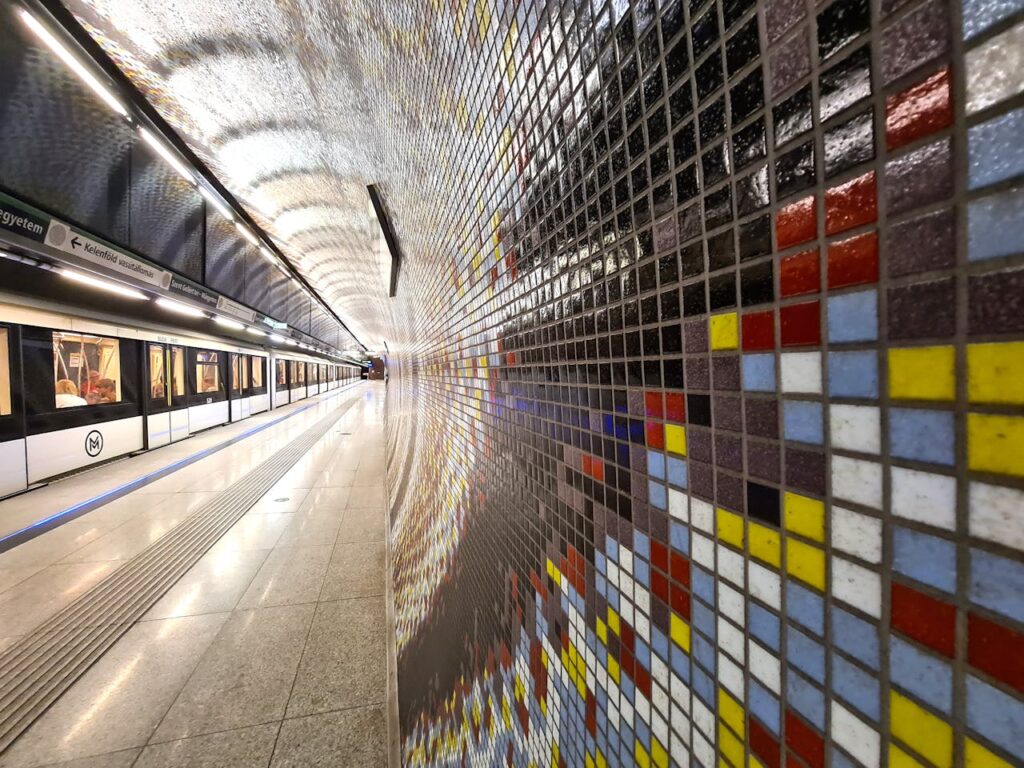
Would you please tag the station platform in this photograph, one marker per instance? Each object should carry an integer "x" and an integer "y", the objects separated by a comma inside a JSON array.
[{"x": 221, "y": 601}]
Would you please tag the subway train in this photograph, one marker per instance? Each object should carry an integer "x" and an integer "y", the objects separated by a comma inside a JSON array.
[{"x": 75, "y": 392}]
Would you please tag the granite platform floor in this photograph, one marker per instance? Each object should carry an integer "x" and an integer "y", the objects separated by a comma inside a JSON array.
[{"x": 271, "y": 651}]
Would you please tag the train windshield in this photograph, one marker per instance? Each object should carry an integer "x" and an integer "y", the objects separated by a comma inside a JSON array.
[{"x": 86, "y": 370}]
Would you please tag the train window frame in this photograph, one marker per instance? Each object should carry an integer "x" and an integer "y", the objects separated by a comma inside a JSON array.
[
  {"x": 257, "y": 363},
  {"x": 158, "y": 402},
  {"x": 178, "y": 370},
  {"x": 239, "y": 374},
  {"x": 74, "y": 392},
  {"x": 281, "y": 370},
  {"x": 199, "y": 360}
]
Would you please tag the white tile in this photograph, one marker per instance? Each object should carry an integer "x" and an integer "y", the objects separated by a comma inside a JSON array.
[
  {"x": 857, "y": 534},
  {"x": 857, "y": 586},
  {"x": 703, "y": 551},
  {"x": 856, "y": 428},
  {"x": 855, "y": 736},
  {"x": 925, "y": 497},
  {"x": 702, "y": 515},
  {"x": 765, "y": 585},
  {"x": 731, "y": 603},
  {"x": 730, "y": 675},
  {"x": 801, "y": 372},
  {"x": 703, "y": 750},
  {"x": 995, "y": 69},
  {"x": 730, "y": 565},
  {"x": 677, "y": 506},
  {"x": 703, "y": 719},
  {"x": 765, "y": 666},
  {"x": 730, "y": 639},
  {"x": 997, "y": 514},
  {"x": 857, "y": 480}
]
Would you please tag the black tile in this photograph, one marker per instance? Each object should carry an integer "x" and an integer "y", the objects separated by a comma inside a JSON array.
[
  {"x": 742, "y": 48},
  {"x": 698, "y": 410},
  {"x": 757, "y": 284},
  {"x": 841, "y": 23},
  {"x": 849, "y": 144},
  {"x": 747, "y": 96},
  {"x": 846, "y": 83},
  {"x": 749, "y": 144},
  {"x": 763, "y": 503},
  {"x": 794, "y": 170},
  {"x": 792, "y": 117}
]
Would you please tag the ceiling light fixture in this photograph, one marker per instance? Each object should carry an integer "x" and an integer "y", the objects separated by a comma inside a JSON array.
[
  {"x": 244, "y": 232},
  {"x": 276, "y": 339},
  {"x": 103, "y": 285},
  {"x": 73, "y": 63},
  {"x": 217, "y": 203},
  {"x": 169, "y": 157},
  {"x": 255, "y": 331},
  {"x": 267, "y": 254},
  {"x": 227, "y": 323},
  {"x": 182, "y": 309}
]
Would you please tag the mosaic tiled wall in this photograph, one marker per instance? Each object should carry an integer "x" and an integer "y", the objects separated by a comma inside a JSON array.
[{"x": 714, "y": 390}]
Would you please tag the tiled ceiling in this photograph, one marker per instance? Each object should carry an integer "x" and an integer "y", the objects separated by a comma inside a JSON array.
[{"x": 274, "y": 98}]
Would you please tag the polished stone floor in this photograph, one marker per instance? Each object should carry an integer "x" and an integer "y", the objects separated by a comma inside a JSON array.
[{"x": 271, "y": 651}]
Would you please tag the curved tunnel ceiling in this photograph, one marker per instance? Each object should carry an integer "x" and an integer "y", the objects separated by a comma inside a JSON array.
[{"x": 272, "y": 97}]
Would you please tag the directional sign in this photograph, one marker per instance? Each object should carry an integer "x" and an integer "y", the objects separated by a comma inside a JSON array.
[
  {"x": 235, "y": 309},
  {"x": 68, "y": 239}
]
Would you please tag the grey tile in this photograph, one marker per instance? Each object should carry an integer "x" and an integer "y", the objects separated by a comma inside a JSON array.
[
  {"x": 335, "y": 478},
  {"x": 52, "y": 545},
  {"x": 356, "y": 570},
  {"x": 327, "y": 498},
  {"x": 313, "y": 527},
  {"x": 353, "y": 738},
  {"x": 290, "y": 575},
  {"x": 245, "y": 676},
  {"x": 363, "y": 524},
  {"x": 216, "y": 583},
  {"x": 344, "y": 661},
  {"x": 119, "y": 702},
  {"x": 123, "y": 759},
  {"x": 366, "y": 496},
  {"x": 254, "y": 532},
  {"x": 34, "y": 600},
  {"x": 243, "y": 748}
]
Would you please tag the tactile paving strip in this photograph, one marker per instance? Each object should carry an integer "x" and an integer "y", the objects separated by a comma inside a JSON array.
[{"x": 37, "y": 671}]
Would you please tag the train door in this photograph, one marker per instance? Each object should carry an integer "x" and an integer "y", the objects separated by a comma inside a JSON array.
[
  {"x": 208, "y": 400},
  {"x": 177, "y": 383},
  {"x": 239, "y": 398},
  {"x": 259, "y": 400},
  {"x": 158, "y": 396},
  {"x": 282, "y": 389},
  {"x": 14, "y": 476}
]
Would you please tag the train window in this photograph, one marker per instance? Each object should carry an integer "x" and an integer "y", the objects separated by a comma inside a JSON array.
[
  {"x": 157, "y": 379},
  {"x": 177, "y": 371},
  {"x": 282, "y": 374},
  {"x": 298, "y": 374},
  {"x": 86, "y": 370},
  {"x": 257, "y": 371},
  {"x": 236, "y": 377},
  {"x": 5, "y": 374},
  {"x": 207, "y": 372}
]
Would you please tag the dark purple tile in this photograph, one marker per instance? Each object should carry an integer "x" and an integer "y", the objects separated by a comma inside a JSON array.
[
  {"x": 922, "y": 244},
  {"x": 791, "y": 62},
  {"x": 762, "y": 417},
  {"x": 729, "y": 451},
  {"x": 638, "y": 483},
  {"x": 923, "y": 177},
  {"x": 727, "y": 412},
  {"x": 636, "y": 402},
  {"x": 659, "y": 525},
  {"x": 726, "y": 372},
  {"x": 805, "y": 470},
  {"x": 702, "y": 480},
  {"x": 923, "y": 310},
  {"x": 995, "y": 303},
  {"x": 919, "y": 37},
  {"x": 780, "y": 15},
  {"x": 695, "y": 334},
  {"x": 665, "y": 235},
  {"x": 730, "y": 492},
  {"x": 698, "y": 373},
  {"x": 698, "y": 444},
  {"x": 763, "y": 460}
]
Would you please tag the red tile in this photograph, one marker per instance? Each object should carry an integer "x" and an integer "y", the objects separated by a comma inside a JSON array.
[
  {"x": 851, "y": 204},
  {"x": 659, "y": 555},
  {"x": 628, "y": 636},
  {"x": 655, "y": 435},
  {"x": 758, "y": 331},
  {"x": 659, "y": 585},
  {"x": 997, "y": 650},
  {"x": 652, "y": 405},
  {"x": 918, "y": 111},
  {"x": 763, "y": 744},
  {"x": 681, "y": 569},
  {"x": 800, "y": 273},
  {"x": 643, "y": 681},
  {"x": 853, "y": 261},
  {"x": 801, "y": 324},
  {"x": 927, "y": 620},
  {"x": 598, "y": 467},
  {"x": 588, "y": 465},
  {"x": 796, "y": 223},
  {"x": 804, "y": 740},
  {"x": 680, "y": 601},
  {"x": 675, "y": 407}
]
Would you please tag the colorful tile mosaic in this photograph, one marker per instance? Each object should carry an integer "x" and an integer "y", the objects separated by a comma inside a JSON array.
[{"x": 708, "y": 442}]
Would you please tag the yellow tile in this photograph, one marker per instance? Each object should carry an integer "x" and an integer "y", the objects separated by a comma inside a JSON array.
[
  {"x": 995, "y": 373},
  {"x": 731, "y": 712},
  {"x": 922, "y": 373},
  {"x": 764, "y": 544},
  {"x": 643, "y": 760},
  {"x": 730, "y": 747},
  {"x": 805, "y": 516},
  {"x": 613, "y": 668},
  {"x": 613, "y": 620},
  {"x": 602, "y": 762},
  {"x": 806, "y": 563},
  {"x": 976, "y": 756},
  {"x": 900, "y": 759},
  {"x": 675, "y": 439},
  {"x": 753, "y": 762},
  {"x": 730, "y": 528},
  {"x": 658, "y": 754},
  {"x": 995, "y": 443},
  {"x": 725, "y": 331},
  {"x": 602, "y": 632},
  {"x": 922, "y": 731},
  {"x": 680, "y": 632}
]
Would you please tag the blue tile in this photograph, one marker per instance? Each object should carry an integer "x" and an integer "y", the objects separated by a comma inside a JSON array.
[
  {"x": 995, "y": 225},
  {"x": 995, "y": 715},
  {"x": 925, "y": 676},
  {"x": 802, "y": 421},
  {"x": 995, "y": 151},
  {"x": 764, "y": 625},
  {"x": 838, "y": 760},
  {"x": 979, "y": 15},
  {"x": 657, "y": 494},
  {"x": 656, "y": 464},
  {"x": 680, "y": 536},
  {"x": 805, "y": 654},
  {"x": 641, "y": 572},
  {"x": 704, "y": 687},
  {"x": 641, "y": 545},
  {"x": 853, "y": 317},
  {"x": 703, "y": 652},
  {"x": 764, "y": 706},
  {"x": 922, "y": 435},
  {"x": 677, "y": 472},
  {"x": 805, "y": 607},
  {"x": 703, "y": 618},
  {"x": 805, "y": 698},
  {"x": 759, "y": 373},
  {"x": 925, "y": 558},
  {"x": 997, "y": 583},
  {"x": 853, "y": 374},
  {"x": 703, "y": 584},
  {"x": 859, "y": 688}
]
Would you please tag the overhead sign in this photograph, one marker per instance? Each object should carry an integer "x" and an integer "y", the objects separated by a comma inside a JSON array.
[
  {"x": 235, "y": 309},
  {"x": 193, "y": 291},
  {"x": 71, "y": 240},
  {"x": 17, "y": 218}
]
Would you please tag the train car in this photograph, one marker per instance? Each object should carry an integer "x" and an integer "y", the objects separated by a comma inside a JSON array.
[{"x": 75, "y": 392}]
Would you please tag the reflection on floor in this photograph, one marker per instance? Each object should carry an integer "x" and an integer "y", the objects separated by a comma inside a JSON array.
[{"x": 270, "y": 651}]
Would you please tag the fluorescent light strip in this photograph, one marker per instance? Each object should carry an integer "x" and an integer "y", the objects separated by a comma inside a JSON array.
[
  {"x": 244, "y": 232},
  {"x": 276, "y": 339},
  {"x": 256, "y": 331},
  {"x": 233, "y": 324},
  {"x": 217, "y": 203},
  {"x": 182, "y": 309},
  {"x": 72, "y": 62},
  {"x": 103, "y": 285},
  {"x": 169, "y": 157},
  {"x": 267, "y": 254}
]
